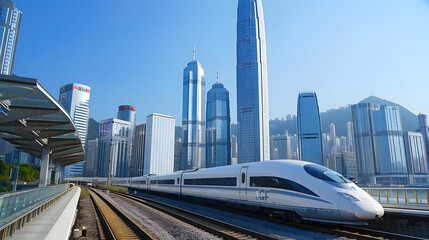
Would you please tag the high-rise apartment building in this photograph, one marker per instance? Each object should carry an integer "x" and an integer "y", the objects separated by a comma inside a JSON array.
[
  {"x": 193, "y": 116},
  {"x": 379, "y": 144},
  {"x": 218, "y": 133},
  {"x": 159, "y": 146},
  {"x": 128, "y": 113},
  {"x": 252, "y": 84},
  {"x": 416, "y": 157},
  {"x": 309, "y": 130},
  {"x": 137, "y": 159},
  {"x": 10, "y": 22},
  {"x": 114, "y": 148},
  {"x": 74, "y": 98}
]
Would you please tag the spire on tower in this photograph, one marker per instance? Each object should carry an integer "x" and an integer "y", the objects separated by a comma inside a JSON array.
[
  {"x": 193, "y": 53},
  {"x": 217, "y": 77}
]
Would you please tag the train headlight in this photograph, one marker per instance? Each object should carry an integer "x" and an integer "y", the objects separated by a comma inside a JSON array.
[{"x": 349, "y": 197}]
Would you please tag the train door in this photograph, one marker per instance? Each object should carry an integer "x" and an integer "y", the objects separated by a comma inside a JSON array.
[{"x": 243, "y": 183}]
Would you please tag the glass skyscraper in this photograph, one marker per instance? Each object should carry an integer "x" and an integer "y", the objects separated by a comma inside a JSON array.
[
  {"x": 309, "y": 130},
  {"x": 379, "y": 144},
  {"x": 416, "y": 157},
  {"x": 252, "y": 84},
  {"x": 10, "y": 21},
  {"x": 218, "y": 134},
  {"x": 193, "y": 118},
  {"x": 74, "y": 98}
]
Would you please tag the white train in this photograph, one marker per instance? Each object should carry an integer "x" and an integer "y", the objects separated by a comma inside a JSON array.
[{"x": 307, "y": 190}]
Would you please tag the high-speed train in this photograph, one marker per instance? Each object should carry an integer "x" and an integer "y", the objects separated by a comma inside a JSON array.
[{"x": 307, "y": 190}]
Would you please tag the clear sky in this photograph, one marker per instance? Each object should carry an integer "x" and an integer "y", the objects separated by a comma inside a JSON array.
[{"x": 134, "y": 51}]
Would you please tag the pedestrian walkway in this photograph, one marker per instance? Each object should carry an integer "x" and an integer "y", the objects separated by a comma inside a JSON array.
[{"x": 55, "y": 222}]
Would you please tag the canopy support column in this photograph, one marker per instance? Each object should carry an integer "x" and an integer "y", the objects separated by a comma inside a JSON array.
[
  {"x": 57, "y": 172},
  {"x": 44, "y": 166}
]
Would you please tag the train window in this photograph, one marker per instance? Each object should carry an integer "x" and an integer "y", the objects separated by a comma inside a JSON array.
[
  {"x": 143, "y": 182},
  {"x": 178, "y": 180},
  {"x": 325, "y": 173},
  {"x": 243, "y": 178},
  {"x": 232, "y": 181},
  {"x": 169, "y": 181},
  {"x": 276, "y": 182}
]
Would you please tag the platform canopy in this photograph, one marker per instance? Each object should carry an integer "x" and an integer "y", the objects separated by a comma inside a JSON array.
[{"x": 31, "y": 118}]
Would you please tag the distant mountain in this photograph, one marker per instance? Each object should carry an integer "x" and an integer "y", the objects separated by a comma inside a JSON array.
[
  {"x": 93, "y": 129},
  {"x": 341, "y": 116}
]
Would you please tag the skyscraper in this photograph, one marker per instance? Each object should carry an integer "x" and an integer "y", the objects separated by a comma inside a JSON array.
[
  {"x": 416, "y": 157},
  {"x": 280, "y": 147},
  {"x": 309, "y": 130},
  {"x": 424, "y": 129},
  {"x": 128, "y": 113},
  {"x": 137, "y": 160},
  {"x": 379, "y": 144},
  {"x": 91, "y": 157},
  {"x": 252, "y": 85},
  {"x": 74, "y": 98},
  {"x": 159, "y": 146},
  {"x": 218, "y": 133},
  {"x": 350, "y": 137},
  {"x": 114, "y": 147},
  {"x": 193, "y": 118},
  {"x": 10, "y": 22}
]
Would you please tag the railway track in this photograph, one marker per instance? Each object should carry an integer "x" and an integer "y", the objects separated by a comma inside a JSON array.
[
  {"x": 114, "y": 223},
  {"x": 352, "y": 232},
  {"x": 215, "y": 227}
]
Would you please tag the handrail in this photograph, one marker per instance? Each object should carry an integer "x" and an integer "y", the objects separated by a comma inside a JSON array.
[{"x": 399, "y": 195}]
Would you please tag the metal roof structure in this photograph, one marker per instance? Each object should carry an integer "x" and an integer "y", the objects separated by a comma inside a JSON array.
[{"x": 30, "y": 118}]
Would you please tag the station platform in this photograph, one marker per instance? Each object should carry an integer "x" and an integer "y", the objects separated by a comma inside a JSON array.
[
  {"x": 409, "y": 210},
  {"x": 55, "y": 222}
]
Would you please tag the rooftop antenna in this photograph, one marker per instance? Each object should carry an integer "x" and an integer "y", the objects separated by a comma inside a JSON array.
[
  {"x": 217, "y": 77},
  {"x": 193, "y": 53}
]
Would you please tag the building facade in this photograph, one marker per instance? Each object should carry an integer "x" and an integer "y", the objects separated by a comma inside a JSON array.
[
  {"x": 114, "y": 148},
  {"x": 218, "y": 132},
  {"x": 280, "y": 147},
  {"x": 350, "y": 137},
  {"x": 193, "y": 118},
  {"x": 10, "y": 22},
  {"x": 138, "y": 148},
  {"x": 252, "y": 84},
  {"x": 309, "y": 128},
  {"x": 91, "y": 158},
  {"x": 417, "y": 162},
  {"x": 379, "y": 144},
  {"x": 74, "y": 98},
  {"x": 159, "y": 144}
]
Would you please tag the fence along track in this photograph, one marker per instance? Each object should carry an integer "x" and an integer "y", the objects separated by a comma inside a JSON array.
[
  {"x": 216, "y": 227},
  {"x": 115, "y": 224}
]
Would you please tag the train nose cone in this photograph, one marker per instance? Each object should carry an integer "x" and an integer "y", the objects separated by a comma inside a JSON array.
[{"x": 368, "y": 210}]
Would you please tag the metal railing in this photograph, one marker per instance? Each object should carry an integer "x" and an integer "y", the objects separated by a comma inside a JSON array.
[
  {"x": 419, "y": 196},
  {"x": 16, "y": 204}
]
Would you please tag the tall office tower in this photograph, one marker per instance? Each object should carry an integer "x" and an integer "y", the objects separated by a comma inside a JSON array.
[
  {"x": 333, "y": 138},
  {"x": 416, "y": 157},
  {"x": 218, "y": 132},
  {"x": 424, "y": 129},
  {"x": 326, "y": 150},
  {"x": 252, "y": 84},
  {"x": 10, "y": 22},
  {"x": 137, "y": 159},
  {"x": 379, "y": 144},
  {"x": 350, "y": 137},
  {"x": 345, "y": 164},
  {"x": 177, "y": 152},
  {"x": 74, "y": 98},
  {"x": 114, "y": 149},
  {"x": 294, "y": 147},
  {"x": 193, "y": 118},
  {"x": 280, "y": 147},
  {"x": 309, "y": 133},
  {"x": 234, "y": 147},
  {"x": 91, "y": 157},
  {"x": 159, "y": 146},
  {"x": 128, "y": 113}
]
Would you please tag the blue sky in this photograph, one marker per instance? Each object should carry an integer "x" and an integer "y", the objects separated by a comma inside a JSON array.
[{"x": 134, "y": 51}]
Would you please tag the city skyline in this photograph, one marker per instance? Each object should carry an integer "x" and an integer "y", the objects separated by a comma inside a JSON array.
[{"x": 342, "y": 53}]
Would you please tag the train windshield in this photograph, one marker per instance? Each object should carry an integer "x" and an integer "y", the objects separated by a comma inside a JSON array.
[{"x": 324, "y": 173}]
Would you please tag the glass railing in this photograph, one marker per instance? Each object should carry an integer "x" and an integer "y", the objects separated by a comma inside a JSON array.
[
  {"x": 419, "y": 196},
  {"x": 15, "y": 204}
]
